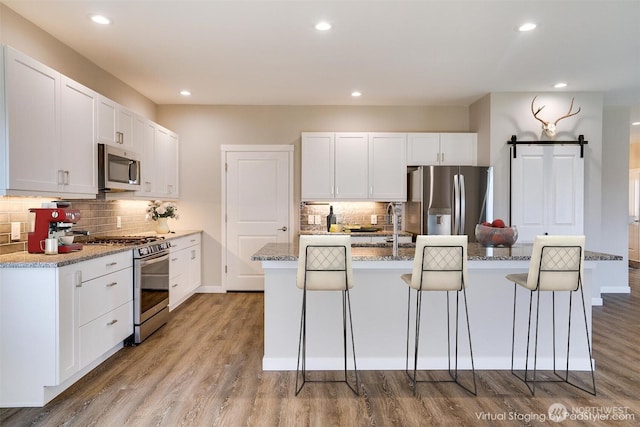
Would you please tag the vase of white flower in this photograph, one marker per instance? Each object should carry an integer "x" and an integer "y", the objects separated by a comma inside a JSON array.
[
  {"x": 162, "y": 227},
  {"x": 159, "y": 212}
]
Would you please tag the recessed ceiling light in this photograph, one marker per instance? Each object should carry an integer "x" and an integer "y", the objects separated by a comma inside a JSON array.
[
  {"x": 356, "y": 93},
  {"x": 99, "y": 19},
  {"x": 323, "y": 26},
  {"x": 527, "y": 27},
  {"x": 560, "y": 85},
  {"x": 635, "y": 124},
  {"x": 185, "y": 93}
]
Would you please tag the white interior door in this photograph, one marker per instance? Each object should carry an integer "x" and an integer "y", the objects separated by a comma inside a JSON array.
[
  {"x": 258, "y": 211},
  {"x": 547, "y": 191},
  {"x": 634, "y": 215}
]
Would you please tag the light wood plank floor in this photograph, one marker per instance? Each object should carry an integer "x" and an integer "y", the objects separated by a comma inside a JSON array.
[{"x": 203, "y": 369}]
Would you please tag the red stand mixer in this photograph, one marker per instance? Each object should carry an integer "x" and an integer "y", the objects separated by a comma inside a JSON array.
[{"x": 52, "y": 223}]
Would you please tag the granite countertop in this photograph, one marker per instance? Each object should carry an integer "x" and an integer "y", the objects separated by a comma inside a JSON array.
[
  {"x": 356, "y": 233},
  {"x": 27, "y": 260},
  {"x": 475, "y": 251}
]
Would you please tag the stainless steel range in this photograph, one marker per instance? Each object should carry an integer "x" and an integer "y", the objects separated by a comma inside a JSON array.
[{"x": 150, "y": 281}]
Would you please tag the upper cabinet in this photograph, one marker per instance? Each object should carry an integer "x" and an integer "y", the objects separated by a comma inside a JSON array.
[
  {"x": 425, "y": 149},
  {"x": 49, "y": 141},
  {"x": 116, "y": 126},
  {"x": 353, "y": 166},
  {"x": 160, "y": 148}
]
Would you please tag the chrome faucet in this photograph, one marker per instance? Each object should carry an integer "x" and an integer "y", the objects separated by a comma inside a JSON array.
[{"x": 392, "y": 211}]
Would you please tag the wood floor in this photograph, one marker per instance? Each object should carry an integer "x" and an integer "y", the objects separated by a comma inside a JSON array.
[{"x": 203, "y": 369}]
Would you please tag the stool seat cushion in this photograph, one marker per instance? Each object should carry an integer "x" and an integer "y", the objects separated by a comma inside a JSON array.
[
  {"x": 328, "y": 266},
  {"x": 440, "y": 263}
]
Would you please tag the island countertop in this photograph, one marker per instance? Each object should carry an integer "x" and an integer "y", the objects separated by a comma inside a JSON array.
[{"x": 475, "y": 251}]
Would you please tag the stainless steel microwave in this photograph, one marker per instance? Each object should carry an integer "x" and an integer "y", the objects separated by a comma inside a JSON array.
[{"x": 118, "y": 170}]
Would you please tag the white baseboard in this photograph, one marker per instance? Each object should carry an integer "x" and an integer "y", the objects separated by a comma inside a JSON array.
[
  {"x": 210, "y": 289},
  {"x": 596, "y": 302},
  {"x": 615, "y": 290}
]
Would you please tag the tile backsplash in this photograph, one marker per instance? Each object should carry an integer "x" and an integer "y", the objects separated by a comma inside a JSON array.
[
  {"x": 97, "y": 217},
  {"x": 346, "y": 213}
]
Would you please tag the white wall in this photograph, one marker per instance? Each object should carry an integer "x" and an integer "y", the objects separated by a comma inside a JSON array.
[{"x": 203, "y": 129}]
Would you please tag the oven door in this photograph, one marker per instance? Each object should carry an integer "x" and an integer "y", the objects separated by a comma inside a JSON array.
[{"x": 151, "y": 287}]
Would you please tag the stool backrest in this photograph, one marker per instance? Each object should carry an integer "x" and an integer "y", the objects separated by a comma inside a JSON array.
[
  {"x": 556, "y": 263},
  {"x": 324, "y": 263},
  {"x": 440, "y": 263}
]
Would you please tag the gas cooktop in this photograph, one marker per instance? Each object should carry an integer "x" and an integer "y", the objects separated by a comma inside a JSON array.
[{"x": 122, "y": 240}]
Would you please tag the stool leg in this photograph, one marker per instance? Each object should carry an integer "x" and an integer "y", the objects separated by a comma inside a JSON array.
[
  {"x": 473, "y": 369},
  {"x": 586, "y": 330},
  {"x": 302, "y": 343},
  {"x": 513, "y": 327},
  {"x": 353, "y": 345}
]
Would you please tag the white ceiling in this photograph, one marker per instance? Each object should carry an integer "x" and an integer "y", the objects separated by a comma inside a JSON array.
[{"x": 395, "y": 52}]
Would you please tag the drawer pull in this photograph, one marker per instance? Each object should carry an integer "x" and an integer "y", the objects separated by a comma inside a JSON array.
[
  {"x": 114, "y": 321},
  {"x": 109, "y": 285},
  {"x": 111, "y": 264},
  {"x": 174, "y": 259},
  {"x": 175, "y": 285},
  {"x": 193, "y": 240}
]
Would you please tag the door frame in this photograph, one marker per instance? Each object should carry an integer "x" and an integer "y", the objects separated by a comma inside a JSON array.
[{"x": 226, "y": 148}]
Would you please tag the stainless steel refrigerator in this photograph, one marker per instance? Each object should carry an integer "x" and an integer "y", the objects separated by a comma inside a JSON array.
[{"x": 448, "y": 199}]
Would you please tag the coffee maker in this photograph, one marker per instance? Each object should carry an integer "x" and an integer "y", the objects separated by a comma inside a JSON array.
[{"x": 52, "y": 223}]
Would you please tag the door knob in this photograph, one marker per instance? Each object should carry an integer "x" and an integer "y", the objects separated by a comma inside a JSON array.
[{"x": 283, "y": 228}]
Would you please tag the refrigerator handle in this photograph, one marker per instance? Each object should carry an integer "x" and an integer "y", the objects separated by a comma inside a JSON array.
[
  {"x": 463, "y": 203},
  {"x": 456, "y": 205}
]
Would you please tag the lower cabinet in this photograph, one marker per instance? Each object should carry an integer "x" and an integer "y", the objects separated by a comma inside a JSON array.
[
  {"x": 56, "y": 324},
  {"x": 184, "y": 268}
]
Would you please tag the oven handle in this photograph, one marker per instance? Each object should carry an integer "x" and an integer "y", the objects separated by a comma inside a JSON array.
[{"x": 148, "y": 261}]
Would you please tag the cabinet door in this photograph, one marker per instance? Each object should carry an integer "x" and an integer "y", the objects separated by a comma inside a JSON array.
[
  {"x": 317, "y": 168},
  {"x": 78, "y": 147},
  {"x": 107, "y": 121},
  {"x": 458, "y": 149},
  {"x": 33, "y": 109},
  {"x": 547, "y": 194},
  {"x": 423, "y": 149},
  {"x": 172, "y": 165},
  {"x": 68, "y": 326},
  {"x": 351, "y": 166},
  {"x": 124, "y": 129},
  {"x": 387, "y": 166}
]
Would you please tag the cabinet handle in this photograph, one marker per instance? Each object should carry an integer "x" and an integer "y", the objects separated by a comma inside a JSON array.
[
  {"x": 443, "y": 157},
  {"x": 174, "y": 259},
  {"x": 337, "y": 190},
  {"x": 113, "y": 322},
  {"x": 66, "y": 178},
  {"x": 111, "y": 284},
  {"x": 111, "y": 264},
  {"x": 371, "y": 191},
  {"x": 60, "y": 177},
  {"x": 175, "y": 285},
  {"x": 193, "y": 254},
  {"x": 193, "y": 240},
  {"x": 120, "y": 137}
]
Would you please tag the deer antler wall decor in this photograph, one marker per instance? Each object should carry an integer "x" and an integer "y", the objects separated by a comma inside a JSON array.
[{"x": 548, "y": 127}]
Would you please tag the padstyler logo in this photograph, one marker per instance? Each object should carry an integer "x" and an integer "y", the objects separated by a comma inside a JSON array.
[{"x": 558, "y": 412}]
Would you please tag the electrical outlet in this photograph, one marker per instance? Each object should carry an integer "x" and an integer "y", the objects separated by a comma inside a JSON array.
[
  {"x": 318, "y": 219},
  {"x": 374, "y": 219},
  {"x": 118, "y": 222},
  {"x": 311, "y": 219},
  {"x": 15, "y": 231}
]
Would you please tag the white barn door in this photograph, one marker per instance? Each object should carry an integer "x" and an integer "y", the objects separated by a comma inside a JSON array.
[
  {"x": 257, "y": 206},
  {"x": 547, "y": 191}
]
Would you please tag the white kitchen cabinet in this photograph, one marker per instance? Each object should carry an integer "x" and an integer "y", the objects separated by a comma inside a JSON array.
[
  {"x": 387, "y": 166},
  {"x": 49, "y": 139},
  {"x": 317, "y": 171},
  {"x": 116, "y": 125},
  {"x": 426, "y": 149},
  {"x": 353, "y": 166},
  {"x": 160, "y": 151},
  {"x": 56, "y": 324},
  {"x": 184, "y": 268}
]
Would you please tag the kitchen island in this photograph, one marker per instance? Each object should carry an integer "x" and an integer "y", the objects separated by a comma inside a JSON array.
[{"x": 379, "y": 307}]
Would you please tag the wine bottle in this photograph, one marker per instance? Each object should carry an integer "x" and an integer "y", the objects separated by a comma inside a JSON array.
[{"x": 331, "y": 218}]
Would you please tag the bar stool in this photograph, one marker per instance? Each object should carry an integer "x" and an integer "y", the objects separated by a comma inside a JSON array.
[
  {"x": 556, "y": 265},
  {"x": 440, "y": 264},
  {"x": 324, "y": 264}
]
